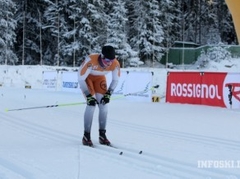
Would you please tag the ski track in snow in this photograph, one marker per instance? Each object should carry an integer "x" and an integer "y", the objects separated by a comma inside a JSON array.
[
  {"x": 17, "y": 171},
  {"x": 231, "y": 144},
  {"x": 21, "y": 169},
  {"x": 159, "y": 166}
]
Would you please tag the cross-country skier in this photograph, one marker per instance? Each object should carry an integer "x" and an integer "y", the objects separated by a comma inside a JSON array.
[{"x": 93, "y": 84}]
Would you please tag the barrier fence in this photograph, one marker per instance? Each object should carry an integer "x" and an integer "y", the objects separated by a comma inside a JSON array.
[{"x": 129, "y": 83}]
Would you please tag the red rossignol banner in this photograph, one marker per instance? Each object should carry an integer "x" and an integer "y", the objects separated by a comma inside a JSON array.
[
  {"x": 207, "y": 88},
  {"x": 212, "y": 89}
]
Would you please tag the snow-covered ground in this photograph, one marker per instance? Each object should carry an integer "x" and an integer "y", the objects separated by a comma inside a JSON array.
[{"x": 177, "y": 140}]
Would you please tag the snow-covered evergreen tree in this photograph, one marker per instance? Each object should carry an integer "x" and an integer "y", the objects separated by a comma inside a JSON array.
[
  {"x": 135, "y": 21},
  {"x": 56, "y": 24},
  {"x": 157, "y": 34},
  {"x": 62, "y": 32},
  {"x": 150, "y": 32},
  {"x": 7, "y": 33},
  {"x": 31, "y": 39},
  {"x": 203, "y": 22},
  {"x": 72, "y": 48},
  {"x": 96, "y": 34},
  {"x": 117, "y": 37},
  {"x": 88, "y": 30}
]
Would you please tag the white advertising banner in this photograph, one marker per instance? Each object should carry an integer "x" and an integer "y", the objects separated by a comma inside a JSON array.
[
  {"x": 70, "y": 82},
  {"x": 132, "y": 85},
  {"x": 138, "y": 86},
  {"x": 49, "y": 80},
  {"x": 121, "y": 87}
]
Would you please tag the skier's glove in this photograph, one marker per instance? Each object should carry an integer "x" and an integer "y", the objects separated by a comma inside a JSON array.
[
  {"x": 91, "y": 101},
  {"x": 106, "y": 97}
]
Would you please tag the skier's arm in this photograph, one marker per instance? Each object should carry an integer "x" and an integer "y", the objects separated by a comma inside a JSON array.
[
  {"x": 83, "y": 73},
  {"x": 115, "y": 78}
]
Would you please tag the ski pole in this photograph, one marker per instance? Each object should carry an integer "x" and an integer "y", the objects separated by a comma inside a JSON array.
[
  {"x": 47, "y": 106},
  {"x": 73, "y": 104}
]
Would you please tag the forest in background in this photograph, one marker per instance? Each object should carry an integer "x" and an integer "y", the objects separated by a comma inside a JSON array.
[{"x": 62, "y": 32}]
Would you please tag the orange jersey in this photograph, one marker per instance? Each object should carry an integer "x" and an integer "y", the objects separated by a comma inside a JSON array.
[{"x": 90, "y": 72}]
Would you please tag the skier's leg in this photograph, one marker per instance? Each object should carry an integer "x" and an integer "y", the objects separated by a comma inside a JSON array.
[
  {"x": 100, "y": 87},
  {"x": 102, "y": 116},
  {"x": 88, "y": 118}
]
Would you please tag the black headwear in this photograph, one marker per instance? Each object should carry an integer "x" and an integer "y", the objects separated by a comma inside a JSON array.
[{"x": 108, "y": 52}]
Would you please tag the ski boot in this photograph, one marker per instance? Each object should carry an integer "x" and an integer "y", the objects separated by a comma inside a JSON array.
[
  {"x": 102, "y": 137},
  {"x": 86, "y": 140}
]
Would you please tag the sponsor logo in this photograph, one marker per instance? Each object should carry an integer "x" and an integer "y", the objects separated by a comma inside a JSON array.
[
  {"x": 234, "y": 89},
  {"x": 95, "y": 67},
  {"x": 103, "y": 85},
  {"x": 50, "y": 83},
  {"x": 195, "y": 90},
  {"x": 70, "y": 84},
  {"x": 231, "y": 90}
]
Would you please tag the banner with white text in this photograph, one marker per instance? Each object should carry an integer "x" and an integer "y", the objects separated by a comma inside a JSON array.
[
  {"x": 121, "y": 87},
  {"x": 138, "y": 86},
  {"x": 133, "y": 85},
  {"x": 207, "y": 88},
  {"x": 49, "y": 79},
  {"x": 69, "y": 82}
]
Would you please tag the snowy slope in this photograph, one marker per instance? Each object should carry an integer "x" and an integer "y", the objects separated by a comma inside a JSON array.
[
  {"x": 46, "y": 143},
  {"x": 176, "y": 140}
]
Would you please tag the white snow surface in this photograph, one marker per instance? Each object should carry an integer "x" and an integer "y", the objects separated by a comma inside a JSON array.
[{"x": 178, "y": 141}]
